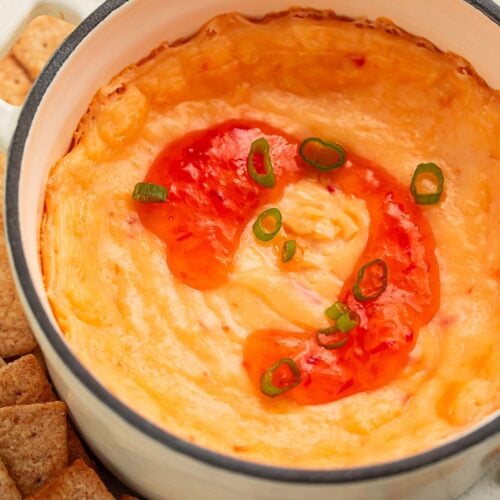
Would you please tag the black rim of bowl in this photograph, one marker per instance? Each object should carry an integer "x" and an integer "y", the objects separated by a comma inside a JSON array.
[{"x": 275, "y": 473}]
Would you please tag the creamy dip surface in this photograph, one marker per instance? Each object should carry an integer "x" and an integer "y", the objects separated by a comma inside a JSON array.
[{"x": 174, "y": 353}]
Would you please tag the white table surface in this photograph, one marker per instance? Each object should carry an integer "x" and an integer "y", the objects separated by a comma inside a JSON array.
[{"x": 488, "y": 488}]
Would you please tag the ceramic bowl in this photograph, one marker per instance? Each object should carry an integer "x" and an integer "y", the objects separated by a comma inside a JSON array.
[{"x": 149, "y": 459}]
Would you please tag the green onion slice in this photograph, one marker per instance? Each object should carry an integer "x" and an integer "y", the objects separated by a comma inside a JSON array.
[
  {"x": 321, "y": 154},
  {"x": 329, "y": 330},
  {"x": 423, "y": 170},
  {"x": 347, "y": 321},
  {"x": 336, "y": 310},
  {"x": 260, "y": 148},
  {"x": 146, "y": 192},
  {"x": 331, "y": 338},
  {"x": 371, "y": 282},
  {"x": 260, "y": 231},
  {"x": 267, "y": 384},
  {"x": 288, "y": 250}
]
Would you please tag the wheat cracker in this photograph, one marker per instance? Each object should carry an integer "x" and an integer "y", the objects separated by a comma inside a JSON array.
[
  {"x": 24, "y": 382},
  {"x": 15, "y": 336},
  {"x": 78, "y": 482},
  {"x": 33, "y": 443},
  {"x": 8, "y": 489},
  {"x": 76, "y": 449}
]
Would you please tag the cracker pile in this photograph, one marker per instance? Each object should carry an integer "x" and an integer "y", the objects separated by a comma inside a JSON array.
[{"x": 41, "y": 456}]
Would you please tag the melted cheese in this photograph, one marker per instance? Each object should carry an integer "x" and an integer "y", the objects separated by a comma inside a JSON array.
[{"x": 173, "y": 353}]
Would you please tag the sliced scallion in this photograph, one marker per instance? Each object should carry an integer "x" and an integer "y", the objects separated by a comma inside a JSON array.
[
  {"x": 260, "y": 148},
  {"x": 288, "y": 250},
  {"x": 347, "y": 321},
  {"x": 267, "y": 384},
  {"x": 322, "y": 154},
  {"x": 336, "y": 310},
  {"x": 259, "y": 228},
  {"x": 331, "y": 338},
  {"x": 371, "y": 281},
  {"x": 427, "y": 198},
  {"x": 146, "y": 192}
]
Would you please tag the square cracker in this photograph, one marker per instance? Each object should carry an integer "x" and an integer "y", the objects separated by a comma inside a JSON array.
[
  {"x": 38, "y": 41},
  {"x": 15, "y": 336},
  {"x": 37, "y": 352},
  {"x": 78, "y": 482},
  {"x": 33, "y": 443},
  {"x": 8, "y": 489},
  {"x": 75, "y": 446},
  {"x": 24, "y": 382},
  {"x": 14, "y": 82}
]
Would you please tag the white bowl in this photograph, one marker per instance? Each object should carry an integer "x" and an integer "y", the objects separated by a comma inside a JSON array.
[{"x": 149, "y": 459}]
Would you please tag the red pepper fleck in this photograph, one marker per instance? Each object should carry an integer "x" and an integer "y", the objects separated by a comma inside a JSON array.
[{"x": 357, "y": 59}]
